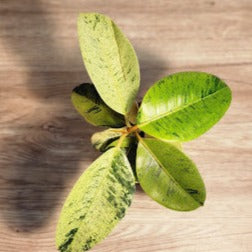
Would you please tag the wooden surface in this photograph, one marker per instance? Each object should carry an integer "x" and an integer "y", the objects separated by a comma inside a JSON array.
[{"x": 44, "y": 144}]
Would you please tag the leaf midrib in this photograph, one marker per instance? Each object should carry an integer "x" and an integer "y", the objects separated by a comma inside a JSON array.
[
  {"x": 155, "y": 118},
  {"x": 166, "y": 172},
  {"x": 120, "y": 61}
]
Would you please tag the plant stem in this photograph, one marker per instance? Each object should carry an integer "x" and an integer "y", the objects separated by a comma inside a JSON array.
[
  {"x": 138, "y": 136},
  {"x": 123, "y": 131},
  {"x": 121, "y": 140},
  {"x": 127, "y": 130},
  {"x": 132, "y": 129},
  {"x": 127, "y": 120}
]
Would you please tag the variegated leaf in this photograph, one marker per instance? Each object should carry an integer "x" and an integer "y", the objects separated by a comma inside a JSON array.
[
  {"x": 107, "y": 139},
  {"x": 168, "y": 176},
  {"x": 183, "y": 106},
  {"x": 96, "y": 203},
  {"x": 89, "y": 104},
  {"x": 110, "y": 60}
]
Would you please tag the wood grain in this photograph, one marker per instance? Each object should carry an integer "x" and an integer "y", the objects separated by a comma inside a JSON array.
[{"x": 44, "y": 144}]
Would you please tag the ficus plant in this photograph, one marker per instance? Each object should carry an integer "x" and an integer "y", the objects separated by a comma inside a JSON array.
[{"x": 142, "y": 144}]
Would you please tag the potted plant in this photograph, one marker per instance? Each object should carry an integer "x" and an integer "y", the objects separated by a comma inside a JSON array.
[{"x": 141, "y": 144}]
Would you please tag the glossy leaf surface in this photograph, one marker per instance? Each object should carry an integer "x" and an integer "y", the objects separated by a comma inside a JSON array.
[
  {"x": 183, "y": 106},
  {"x": 110, "y": 60},
  {"x": 89, "y": 104},
  {"x": 96, "y": 203},
  {"x": 168, "y": 176}
]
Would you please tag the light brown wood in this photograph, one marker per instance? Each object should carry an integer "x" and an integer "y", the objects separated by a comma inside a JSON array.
[{"x": 44, "y": 144}]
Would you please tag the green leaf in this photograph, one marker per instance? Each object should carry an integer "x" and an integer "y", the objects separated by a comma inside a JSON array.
[
  {"x": 107, "y": 139},
  {"x": 101, "y": 140},
  {"x": 125, "y": 144},
  {"x": 168, "y": 176},
  {"x": 178, "y": 145},
  {"x": 183, "y": 106},
  {"x": 89, "y": 104},
  {"x": 110, "y": 60},
  {"x": 97, "y": 202}
]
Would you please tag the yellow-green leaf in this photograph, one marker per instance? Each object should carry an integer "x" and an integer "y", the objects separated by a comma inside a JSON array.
[
  {"x": 96, "y": 203},
  {"x": 107, "y": 139},
  {"x": 176, "y": 144},
  {"x": 168, "y": 176},
  {"x": 127, "y": 141},
  {"x": 183, "y": 106},
  {"x": 89, "y": 104},
  {"x": 110, "y": 60}
]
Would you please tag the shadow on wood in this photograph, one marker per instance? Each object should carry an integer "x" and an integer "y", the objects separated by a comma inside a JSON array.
[{"x": 49, "y": 138}]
